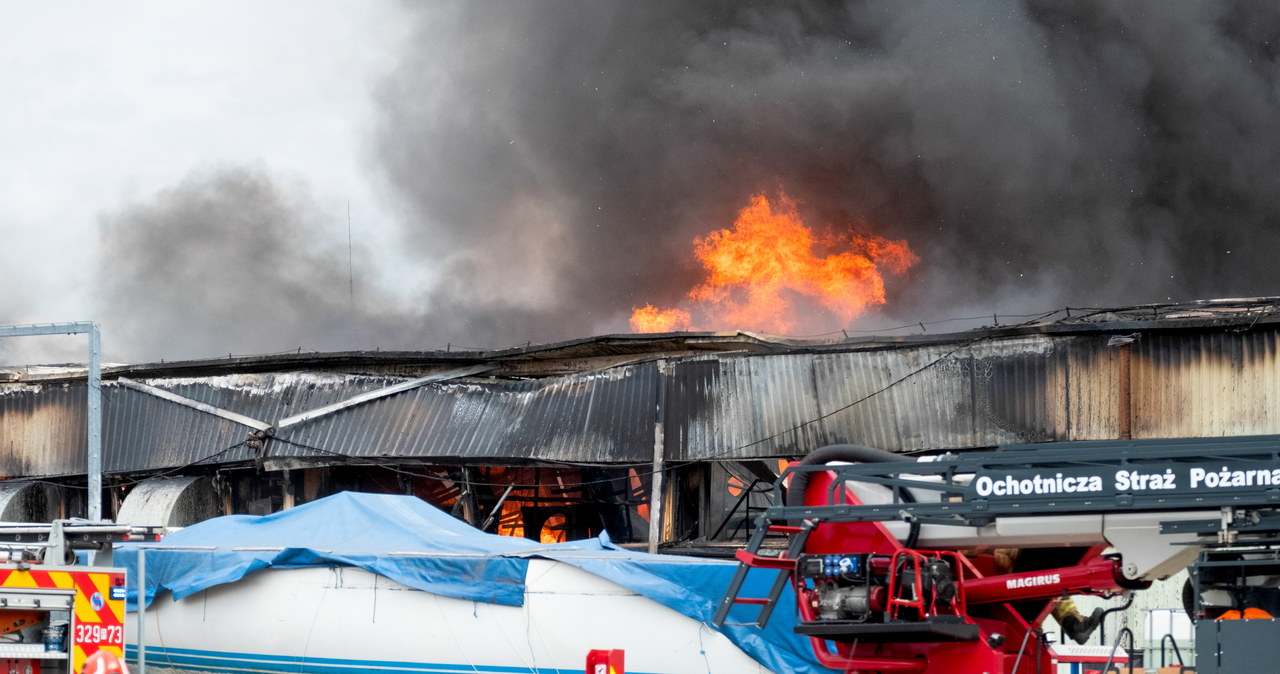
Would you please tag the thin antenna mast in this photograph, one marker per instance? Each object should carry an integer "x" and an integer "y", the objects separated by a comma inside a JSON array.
[{"x": 351, "y": 276}]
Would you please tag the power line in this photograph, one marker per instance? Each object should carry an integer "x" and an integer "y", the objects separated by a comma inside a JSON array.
[
  {"x": 192, "y": 464},
  {"x": 351, "y": 274}
]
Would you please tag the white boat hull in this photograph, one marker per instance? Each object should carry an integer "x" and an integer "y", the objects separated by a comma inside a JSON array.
[{"x": 329, "y": 620}]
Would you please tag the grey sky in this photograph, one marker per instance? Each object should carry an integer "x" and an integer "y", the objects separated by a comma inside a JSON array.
[
  {"x": 531, "y": 171},
  {"x": 112, "y": 102}
]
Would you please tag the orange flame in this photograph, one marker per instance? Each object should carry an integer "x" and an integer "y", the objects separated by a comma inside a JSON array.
[
  {"x": 763, "y": 274},
  {"x": 652, "y": 319}
]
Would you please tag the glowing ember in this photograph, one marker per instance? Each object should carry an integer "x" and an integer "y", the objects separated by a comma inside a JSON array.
[{"x": 764, "y": 274}]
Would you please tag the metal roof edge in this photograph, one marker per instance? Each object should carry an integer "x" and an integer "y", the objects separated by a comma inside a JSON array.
[{"x": 591, "y": 352}]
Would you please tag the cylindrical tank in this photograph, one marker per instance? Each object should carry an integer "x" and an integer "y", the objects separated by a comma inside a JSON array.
[
  {"x": 22, "y": 501},
  {"x": 170, "y": 502}
]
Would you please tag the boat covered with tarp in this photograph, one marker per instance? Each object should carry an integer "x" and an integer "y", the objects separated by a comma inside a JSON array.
[{"x": 387, "y": 583}]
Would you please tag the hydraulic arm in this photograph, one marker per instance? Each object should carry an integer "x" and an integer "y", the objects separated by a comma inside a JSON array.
[{"x": 950, "y": 563}]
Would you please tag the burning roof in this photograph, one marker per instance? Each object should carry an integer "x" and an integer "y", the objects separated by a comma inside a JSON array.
[
  {"x": 766, "y": 274},
  {"x": 718, "y": 396}
]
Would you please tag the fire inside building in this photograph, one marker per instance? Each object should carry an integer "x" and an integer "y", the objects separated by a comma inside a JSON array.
[
  {"x": 665, "y": 442},
  {"x": 574, "y": 439}
]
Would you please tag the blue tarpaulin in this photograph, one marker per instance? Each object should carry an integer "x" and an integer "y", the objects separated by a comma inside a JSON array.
[{"x": 411, "y": 542}]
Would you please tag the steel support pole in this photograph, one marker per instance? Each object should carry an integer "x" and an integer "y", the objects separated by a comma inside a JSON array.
[
  {"x": 94, "y": 404},
  {"x": 142, "y": 610},
  {"x": 95, "y": 423},
  {"x": 659, "y": 447}
]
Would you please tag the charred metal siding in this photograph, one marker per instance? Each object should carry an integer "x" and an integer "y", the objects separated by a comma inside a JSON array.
[
  {"x": 142, "y": 432},
  {"x": 595, "y": 417},
  {"x": 42, "y": 430},
  {"x": 738, "y": 407},
  {"x": 1211, "y": 384},
  {"x": 1092, "y": 390},
  {"x": 1028, "y": 389},
  {"x": 984, "y": 391}
]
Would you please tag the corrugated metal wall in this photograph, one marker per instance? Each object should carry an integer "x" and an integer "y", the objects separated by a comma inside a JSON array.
[
  {"x": 596, "y": 417},
  {"x": 1220, "y": 384},
  {"x": 42, "y": 430},
  {"x": 986, "y": 391},
  {"x": 1025, "y": 389}
]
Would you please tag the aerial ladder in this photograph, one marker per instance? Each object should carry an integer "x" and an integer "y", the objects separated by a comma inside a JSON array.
[{"x": 951, "y": 563}]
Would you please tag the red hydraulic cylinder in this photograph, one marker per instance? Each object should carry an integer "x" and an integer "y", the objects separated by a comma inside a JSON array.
[{"x": 1099, "y": 575}]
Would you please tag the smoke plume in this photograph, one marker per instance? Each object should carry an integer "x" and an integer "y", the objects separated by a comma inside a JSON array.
[
  {"x": 232, "y": 261},
  {"x": 559, "y": 158},
  {"x": 554, "y": 162}
]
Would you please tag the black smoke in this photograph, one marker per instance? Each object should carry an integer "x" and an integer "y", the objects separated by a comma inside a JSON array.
[
  {"x": 558, "y": 158},
  {"x": 553, "y": 162},
  {"x": 234, "y": 261}
]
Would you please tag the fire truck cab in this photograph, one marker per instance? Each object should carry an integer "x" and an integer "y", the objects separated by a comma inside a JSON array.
[{"x": 54, "y": 611}]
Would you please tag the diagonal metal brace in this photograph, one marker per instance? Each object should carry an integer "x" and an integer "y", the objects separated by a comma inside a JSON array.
[
  {"x": 195, "y": 404},
  {"x": 380, "y": 393}
]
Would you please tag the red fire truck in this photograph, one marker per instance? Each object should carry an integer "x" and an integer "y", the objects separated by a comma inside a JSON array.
[
  {"x": 951, "y": 563},
  {"x": 54, "y": 611}
]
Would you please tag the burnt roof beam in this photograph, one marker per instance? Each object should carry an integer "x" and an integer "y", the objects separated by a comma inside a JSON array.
[
  {"x": 194, "y": 404},
  {"x": 370, "y": 396}
]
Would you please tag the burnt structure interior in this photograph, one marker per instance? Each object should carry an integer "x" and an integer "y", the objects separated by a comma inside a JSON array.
[{"x": 564, "y": 441}]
